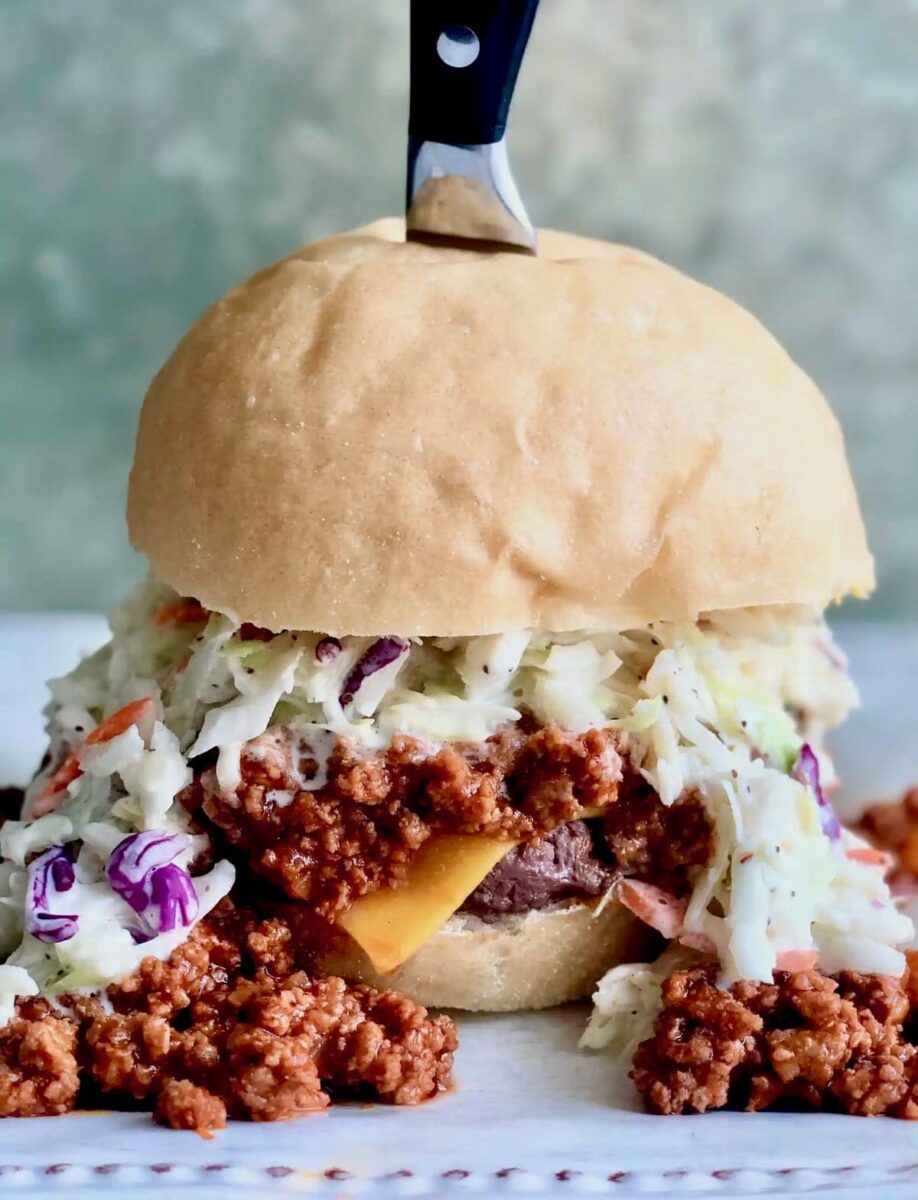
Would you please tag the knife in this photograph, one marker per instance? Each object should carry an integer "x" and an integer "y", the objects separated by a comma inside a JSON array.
[{"x": 465, "y": 57}]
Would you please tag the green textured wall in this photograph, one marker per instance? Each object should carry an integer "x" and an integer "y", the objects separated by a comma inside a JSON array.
[{"x": 152, "y": 152}]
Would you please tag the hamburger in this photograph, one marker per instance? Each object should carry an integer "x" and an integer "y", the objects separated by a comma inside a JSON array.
[{"x": 483, "y": 638}]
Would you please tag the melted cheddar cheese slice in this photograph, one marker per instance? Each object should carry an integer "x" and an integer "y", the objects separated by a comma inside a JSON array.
[{"x": 392, "y": 923}]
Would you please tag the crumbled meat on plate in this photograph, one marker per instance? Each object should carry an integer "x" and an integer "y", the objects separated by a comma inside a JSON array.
[
  {"x": 39, "y": 1075},
  {"x": 805, "y": 1039},
  {"x": 181, "y": 1104},
  {"x": 361, "y": 830},
  {"x": 214, "y": 1032}
]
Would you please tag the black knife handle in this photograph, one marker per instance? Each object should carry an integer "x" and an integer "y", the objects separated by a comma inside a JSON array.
[{"x": 465, "y": 105}]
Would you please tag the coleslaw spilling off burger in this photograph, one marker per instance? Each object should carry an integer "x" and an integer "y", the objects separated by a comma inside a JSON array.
[{"x": 481, "y": 666}]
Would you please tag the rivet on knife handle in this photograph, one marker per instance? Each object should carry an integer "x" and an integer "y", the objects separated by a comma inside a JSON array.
[{"x": 465, "y": 57}]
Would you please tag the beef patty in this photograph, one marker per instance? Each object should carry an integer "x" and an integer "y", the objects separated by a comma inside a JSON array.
[{"x": 571, "y": 863}]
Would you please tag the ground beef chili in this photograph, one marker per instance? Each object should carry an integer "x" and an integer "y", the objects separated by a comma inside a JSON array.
[
  {"x": 657, "y": 843},
  {"x": 230, "y": 1026},
  {"x": 361, "y": 829},
  {"x": 806, "y": 1039}
]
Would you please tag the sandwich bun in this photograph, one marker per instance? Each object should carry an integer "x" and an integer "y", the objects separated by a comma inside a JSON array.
[
  {"x": 522, "y": 961},
  {"x": 375, "y": 436}
]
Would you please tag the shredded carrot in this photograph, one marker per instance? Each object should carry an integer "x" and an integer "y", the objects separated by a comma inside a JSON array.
[
  {"x": 53, "y": 793},
  {"x": 61, "y": 779},
  {"x": 698, "y": 941},
  {"x": 657, "y": 908},
  {"x": 797, "y": 960},
  {"x": 118, "y": 722},
  {"x": 183, "y": 612},
  {"x": 867, "y": 854}
]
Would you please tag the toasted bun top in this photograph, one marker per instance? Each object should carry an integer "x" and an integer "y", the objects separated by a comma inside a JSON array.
[{"x": 378, "y": 437}]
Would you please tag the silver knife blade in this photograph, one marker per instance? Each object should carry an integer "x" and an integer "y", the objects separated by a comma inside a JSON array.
[{"x": 466, "y": 194}]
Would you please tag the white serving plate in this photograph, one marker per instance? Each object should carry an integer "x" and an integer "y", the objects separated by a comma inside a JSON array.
[{"x": 529, "y": 1115}]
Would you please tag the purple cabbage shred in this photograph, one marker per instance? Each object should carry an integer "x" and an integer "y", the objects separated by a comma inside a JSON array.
[
  {"x": 51, "y": 877},
  {"x": 327, "y": 649},
  {"x": 143, "y": 872},
  {"x": 806, "y": 771},
  {"x": 140, "y": 936},
  {"x": 382, "y": 652},
  {"x": 173, "y": 898}
]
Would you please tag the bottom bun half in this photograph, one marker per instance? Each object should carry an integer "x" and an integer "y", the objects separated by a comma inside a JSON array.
[{"x": 522, "y": 961}]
